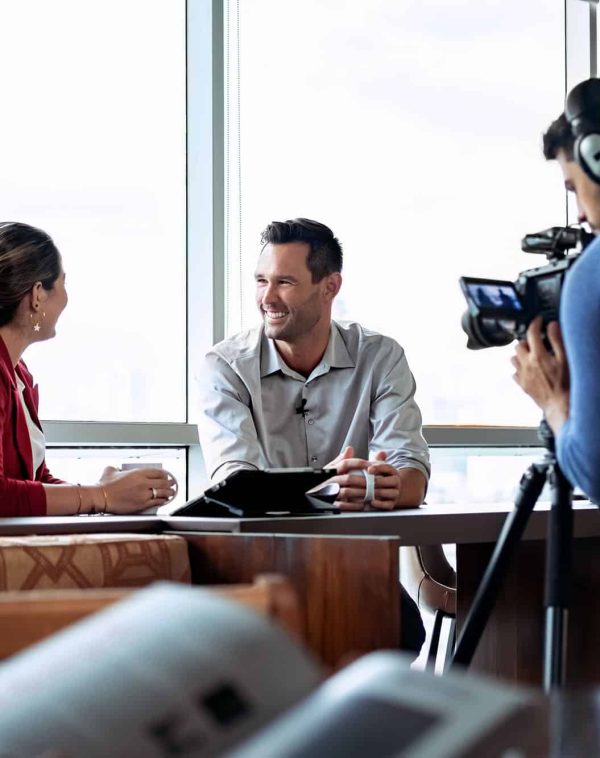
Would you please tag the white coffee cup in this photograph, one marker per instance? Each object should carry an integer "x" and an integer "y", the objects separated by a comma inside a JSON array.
[
  {"x": 140, "y": 464},
  {"x": 369, "y": 483},
  {"x": 132, "y": 466}
]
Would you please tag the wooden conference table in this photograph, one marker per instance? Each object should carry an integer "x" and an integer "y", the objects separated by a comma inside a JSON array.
[
  {"x": 512, "y": 644},
  {"x": 354, "y": 557}
]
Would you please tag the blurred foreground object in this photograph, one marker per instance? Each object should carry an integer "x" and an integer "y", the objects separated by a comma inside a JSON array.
[
  {"x": 171, "y": 670},
  {"x": 28, "y": 617},
  {"x": 379, "y": 707}
]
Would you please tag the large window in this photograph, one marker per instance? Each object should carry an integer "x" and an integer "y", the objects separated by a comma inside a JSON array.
[
  {"x": 414, "y": 131},
  {"x": 480, "y": 475},
  {"x": 93, "y": 151}
]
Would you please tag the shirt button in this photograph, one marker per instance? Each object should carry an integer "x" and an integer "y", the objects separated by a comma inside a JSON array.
[
  {"x": 311, "y": 421},
  {"x": 314, "y": 459}
]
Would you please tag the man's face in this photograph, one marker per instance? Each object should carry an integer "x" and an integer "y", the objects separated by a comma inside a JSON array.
[
  {"x": 290, "y": 303},
  {"x": 586, "y": 191}
]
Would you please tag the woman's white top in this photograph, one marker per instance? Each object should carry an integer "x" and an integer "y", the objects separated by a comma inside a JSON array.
[{"x": 36, "y": 435}]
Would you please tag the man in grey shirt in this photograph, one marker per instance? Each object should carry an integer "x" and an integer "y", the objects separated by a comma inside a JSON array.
[{"x": 303, "y": 390}]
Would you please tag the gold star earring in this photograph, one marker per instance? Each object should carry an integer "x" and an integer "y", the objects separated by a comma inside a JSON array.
[{"x": 35, "y": 320}]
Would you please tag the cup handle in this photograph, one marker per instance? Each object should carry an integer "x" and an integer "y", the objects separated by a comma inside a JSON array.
[{"x": 174, "y": 495}]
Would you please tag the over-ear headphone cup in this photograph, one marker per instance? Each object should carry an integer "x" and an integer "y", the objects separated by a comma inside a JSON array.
[
  {"x": 582, "y": 111},
  {"x": 587, "y": 154}
]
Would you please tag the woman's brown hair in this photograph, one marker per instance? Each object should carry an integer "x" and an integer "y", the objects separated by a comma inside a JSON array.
[{"x": 27, "y": 255}]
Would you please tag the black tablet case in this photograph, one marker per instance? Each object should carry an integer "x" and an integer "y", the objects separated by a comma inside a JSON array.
[{"x": 270, "y": 492}]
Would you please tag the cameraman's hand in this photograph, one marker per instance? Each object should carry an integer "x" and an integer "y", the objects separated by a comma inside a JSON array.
[
  {"x": 131, "y": 491},
  {"x": 544, "y": 375}
]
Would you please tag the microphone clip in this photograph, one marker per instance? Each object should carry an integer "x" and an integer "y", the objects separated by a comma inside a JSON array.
[{"x": 302, "y": 410}]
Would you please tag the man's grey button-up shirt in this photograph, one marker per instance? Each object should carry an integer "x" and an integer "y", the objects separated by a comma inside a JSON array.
[{"x": 258, "y": 412}]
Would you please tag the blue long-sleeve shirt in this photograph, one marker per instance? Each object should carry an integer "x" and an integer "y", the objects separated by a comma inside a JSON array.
[{"x": 578, "y": 442}]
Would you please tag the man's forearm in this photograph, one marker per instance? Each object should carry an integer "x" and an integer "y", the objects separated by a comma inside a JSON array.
[{"x": 413, "y": 486}]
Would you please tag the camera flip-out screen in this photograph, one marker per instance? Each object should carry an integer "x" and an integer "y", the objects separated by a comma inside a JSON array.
[{"x": 491, "y": 297}]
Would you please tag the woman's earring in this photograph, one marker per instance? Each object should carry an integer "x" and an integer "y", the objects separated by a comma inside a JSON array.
[{"x": 35, "y": 320}]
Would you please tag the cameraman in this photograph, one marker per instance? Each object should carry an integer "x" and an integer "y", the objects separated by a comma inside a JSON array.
[{"x": 565, "y": 383}]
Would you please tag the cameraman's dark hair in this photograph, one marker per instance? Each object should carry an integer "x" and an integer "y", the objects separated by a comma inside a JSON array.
[
  {"x": 27, "y": 256},
  {"x": 559, "y": 136},
  {"x": 325, "y": 255}
]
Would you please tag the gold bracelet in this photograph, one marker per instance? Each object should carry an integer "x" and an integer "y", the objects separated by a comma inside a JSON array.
[
  {"x": 105, "y": 499},
  {"x": 93, "y": 507},
  {"x": 93, "y": 510},
  {"x": 80, "y": 499}
]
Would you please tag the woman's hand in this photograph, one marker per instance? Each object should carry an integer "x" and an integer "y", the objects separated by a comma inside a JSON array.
[
  {"x": 544, "y": 375},
  {"x": 131, "y": 491}
]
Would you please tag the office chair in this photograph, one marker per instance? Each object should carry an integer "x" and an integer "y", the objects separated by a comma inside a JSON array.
[{"x": 433, "y": 582}]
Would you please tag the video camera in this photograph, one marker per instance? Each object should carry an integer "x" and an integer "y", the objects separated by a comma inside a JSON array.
[{"x": 500, "y": 311}]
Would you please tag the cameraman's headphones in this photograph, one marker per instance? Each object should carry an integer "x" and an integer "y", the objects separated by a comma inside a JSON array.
[{"x": 582, "y": 111}]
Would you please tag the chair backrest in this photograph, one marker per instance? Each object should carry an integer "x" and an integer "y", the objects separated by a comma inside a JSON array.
[{"x": 430, "y": 578}]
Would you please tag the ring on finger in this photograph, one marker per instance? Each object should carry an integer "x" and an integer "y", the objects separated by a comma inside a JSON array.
[{"x": 154, "y": 493}]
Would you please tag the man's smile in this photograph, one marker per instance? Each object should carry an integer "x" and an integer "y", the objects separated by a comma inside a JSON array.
[{"x": 274, "y": 315}]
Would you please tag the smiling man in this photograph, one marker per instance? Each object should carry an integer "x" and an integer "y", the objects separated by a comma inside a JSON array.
[{"x": 303, "y": 390}]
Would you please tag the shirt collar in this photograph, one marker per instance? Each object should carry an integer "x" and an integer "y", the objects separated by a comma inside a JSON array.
[{"x": 336, "y": 356}]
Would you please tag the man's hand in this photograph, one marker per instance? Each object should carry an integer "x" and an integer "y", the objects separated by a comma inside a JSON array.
[
  {"x": 543, "y": 375},
  {"x": 388, "y": 483},
  {"x": 352, "y": 486},
  {"x": 393, "y": 488}
]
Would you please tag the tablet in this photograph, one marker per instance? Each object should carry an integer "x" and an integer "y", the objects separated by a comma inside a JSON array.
[{"x": 267, "y": 492}]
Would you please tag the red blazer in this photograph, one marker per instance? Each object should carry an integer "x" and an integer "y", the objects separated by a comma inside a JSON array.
[{"x": 20, "y": 493}]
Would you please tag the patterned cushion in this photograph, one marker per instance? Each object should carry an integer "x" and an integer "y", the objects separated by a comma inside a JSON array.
[{"x": 91, "y": 560}]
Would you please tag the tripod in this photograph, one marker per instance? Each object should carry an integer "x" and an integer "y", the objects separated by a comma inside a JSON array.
[{"x": 558, "y": 565}]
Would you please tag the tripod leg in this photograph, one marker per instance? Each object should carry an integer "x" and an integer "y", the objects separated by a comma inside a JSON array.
[
  {"x": 530, "y": 486},
  {"x": 558, "y": 575}
]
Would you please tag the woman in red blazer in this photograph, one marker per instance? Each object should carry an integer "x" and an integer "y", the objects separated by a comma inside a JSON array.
[{"x": 32, "y": 297}]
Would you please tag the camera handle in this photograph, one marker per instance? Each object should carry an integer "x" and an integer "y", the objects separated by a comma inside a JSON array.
[{"x": 558, "y": 565}]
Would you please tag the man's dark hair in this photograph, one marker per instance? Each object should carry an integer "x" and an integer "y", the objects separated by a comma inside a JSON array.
[
  {"x": 325, "y": 255},
  {"x": 559, "y": 136}
]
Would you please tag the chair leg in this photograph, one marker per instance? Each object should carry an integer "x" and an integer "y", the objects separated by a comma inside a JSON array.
[
  {"x": 450, "y": 643},
  {"x": 435, "y": 641}
]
